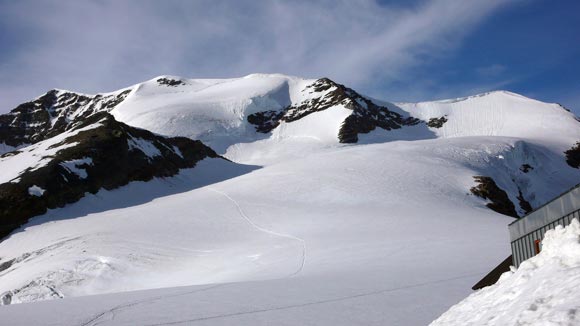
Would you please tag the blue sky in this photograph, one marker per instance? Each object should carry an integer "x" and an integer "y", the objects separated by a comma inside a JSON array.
[{"x": 394, "y": 50}]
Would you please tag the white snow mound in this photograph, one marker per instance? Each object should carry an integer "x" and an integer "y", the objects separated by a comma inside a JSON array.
[{"x": 542, "y": 291}]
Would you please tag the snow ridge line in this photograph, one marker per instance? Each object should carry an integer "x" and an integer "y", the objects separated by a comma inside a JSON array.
[{"x": 262, "y": 229}]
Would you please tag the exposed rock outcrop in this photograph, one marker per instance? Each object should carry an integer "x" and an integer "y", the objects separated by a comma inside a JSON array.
[
  {"x": 98, "y": 153},
  {"x": 437, "y": 122},
  {"x": 51, "y": 114},
  {"x": 366, "y": 115},
  {"x": 170, "y": 82},
  {"x": 573, "y": 156},
  {"x": 499, "y": 200}
]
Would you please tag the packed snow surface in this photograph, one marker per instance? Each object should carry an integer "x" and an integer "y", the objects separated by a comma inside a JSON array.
[
  {"x": 298, "y": 229},
  {"x": 542, "y": 291}
]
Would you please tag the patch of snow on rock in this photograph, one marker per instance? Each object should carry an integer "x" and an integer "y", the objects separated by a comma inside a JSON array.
[
  {"x": 75, "y": 166},
  {"x": 36, "y": 191},
  {"x": 144, "y": 146}
]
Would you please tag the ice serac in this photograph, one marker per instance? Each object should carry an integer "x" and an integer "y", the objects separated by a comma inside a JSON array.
[{"x": 98, "y": 152}]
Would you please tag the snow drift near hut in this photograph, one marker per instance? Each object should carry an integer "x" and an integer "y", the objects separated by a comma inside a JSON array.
[{"x": 542, "y": 291}]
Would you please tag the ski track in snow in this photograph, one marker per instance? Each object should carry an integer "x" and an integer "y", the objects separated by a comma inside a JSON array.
[
  {"x": 98, "y": 319},
  {"x": 111, "y": 313},
  {"x": 306, "y": 304},
  {"x": 259, "y": 228}
]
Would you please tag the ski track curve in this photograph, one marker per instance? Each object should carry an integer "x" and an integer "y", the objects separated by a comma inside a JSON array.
[
  {"x": 111, "y": 313},
  {"x": 262, "y": 229},
  {"x": 313, "y": 303},
  {"x": 98, "y": 319}
]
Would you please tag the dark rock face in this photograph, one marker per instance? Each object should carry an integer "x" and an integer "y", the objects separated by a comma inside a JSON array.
[
  {"x": 437, "y": 122},
  {"x": 488, "y": 189},
  {"x": 366, "y": 114},
  {"x": 266, "y": 121},
  {"x": 525, "y": 168},
  {"x": 51, "y": 114},
  {"x": 170, "y": 82},
  {"x": 573, "y": 156},
  {"x": 109, "y": 154}
]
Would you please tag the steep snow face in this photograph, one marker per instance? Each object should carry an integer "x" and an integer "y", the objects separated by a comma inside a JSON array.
[
  {"x": 217, "y": 111},
  {"x": 211, "y": 110},
  {"x": 542, "y": 291},
  {"x": 228, "y": 112},
  {"x": 526, "y": 170},
  {"x": 498, "y": 113}
]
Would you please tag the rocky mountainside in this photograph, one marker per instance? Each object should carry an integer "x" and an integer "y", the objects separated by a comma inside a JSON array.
[
  {"x": 365, "y": 116},
  {"x": 93, "y": 152},
  {"x": 51, "y": 114}
]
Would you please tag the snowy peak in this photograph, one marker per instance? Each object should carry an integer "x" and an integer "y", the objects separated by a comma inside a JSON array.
[
  {"x": 324, "y": 94},
  {"x": 499, "y": 113},
  {"x": 496, "y": 93},
  {"x": 224, "y": 113},
  {"x": 51, "y": 114}
]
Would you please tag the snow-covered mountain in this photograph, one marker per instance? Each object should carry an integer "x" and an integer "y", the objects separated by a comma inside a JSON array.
[{"x": 330, "y": 202}]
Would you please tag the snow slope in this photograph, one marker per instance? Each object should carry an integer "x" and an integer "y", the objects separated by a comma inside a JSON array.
[
  {"x": 542, "y": 291},
  {"x": 368, "y": 220},
  {"x": 312, "y": 232},
  {"x": 499, "y": 113},
  {"x": 395, "y": 217},
  {"x": 211, "y": 110},
  {"x": 216, "y": 111}
]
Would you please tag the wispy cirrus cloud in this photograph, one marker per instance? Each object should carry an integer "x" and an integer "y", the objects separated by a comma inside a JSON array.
[{"x": 102, "y": 45}]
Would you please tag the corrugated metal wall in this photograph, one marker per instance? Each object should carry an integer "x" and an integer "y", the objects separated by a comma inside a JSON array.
[
  {"x": 524, "y": 247},
  {"x": 558, "y": 207}
]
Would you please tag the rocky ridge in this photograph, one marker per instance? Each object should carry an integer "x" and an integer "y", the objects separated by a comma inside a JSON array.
[
  {"x": 366, "y": 115},
  {"x": 51, "y": 114},
  {"x": 96, "y": 153}
]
